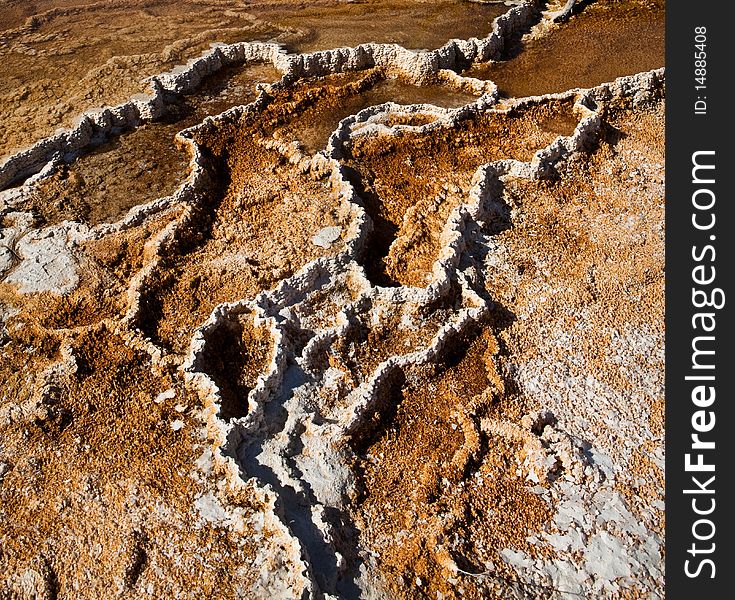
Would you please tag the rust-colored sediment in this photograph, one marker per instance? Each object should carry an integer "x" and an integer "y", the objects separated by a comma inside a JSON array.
[
  {"x": 262, "y": 221},
  {"x": 326, "y": 24},
  {"x": 244, "y": 352},
  {"x": 410, "y": 184},
  {"x": 99, "y": 488},
  {"x": 336, "y": 97},
  {"x": 71, "y": 58},
  {"x": 460, "y": 461},
  {"x": 436, "y": 491},
  {"x": 100, "y": 187},
  {"x": 605, "y": 40}
]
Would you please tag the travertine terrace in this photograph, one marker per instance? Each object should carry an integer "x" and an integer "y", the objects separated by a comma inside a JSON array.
[{"x": 296, "y": 302}]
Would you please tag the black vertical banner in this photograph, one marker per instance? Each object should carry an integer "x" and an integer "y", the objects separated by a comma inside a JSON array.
[{"x": 699, "y": 301}]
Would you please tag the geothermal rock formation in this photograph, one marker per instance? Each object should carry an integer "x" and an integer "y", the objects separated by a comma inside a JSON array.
[{"x": 341, "y": 323}]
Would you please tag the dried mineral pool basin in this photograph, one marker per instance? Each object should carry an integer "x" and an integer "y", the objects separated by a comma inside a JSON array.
[
  {"x": 315, "y": 134},
  {"x": 68, "y": 46},
  {"x": 14, "y": 13},
  {"x": 598, "y": 45},
  {"x": 395, "y": 90},
  {"x": 143, "y": 164},
  {"x": 97, "y": 54},
  {"x": 417, "y": 24},
  {"x": 228, "y": 87},
  {"x": 100, "y": 186}
]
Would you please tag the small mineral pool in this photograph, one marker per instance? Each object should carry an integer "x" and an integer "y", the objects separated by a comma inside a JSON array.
[{"x": 598, "y": 45}]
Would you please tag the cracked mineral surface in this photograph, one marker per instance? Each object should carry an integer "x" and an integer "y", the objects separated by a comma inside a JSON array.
[{"x": 331, "y": 299}]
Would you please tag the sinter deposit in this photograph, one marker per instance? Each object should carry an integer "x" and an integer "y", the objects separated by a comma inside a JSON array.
[{"x": 296, "y": 303}]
